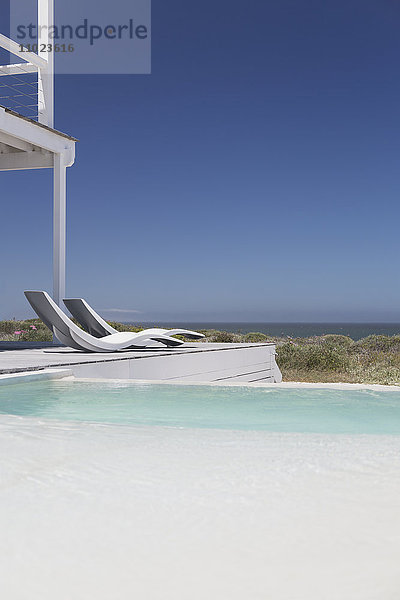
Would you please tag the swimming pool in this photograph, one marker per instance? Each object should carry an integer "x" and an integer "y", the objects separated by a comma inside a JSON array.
[
  {"x": 217, "y": 492},
  {"x": 296, "y": 410}
]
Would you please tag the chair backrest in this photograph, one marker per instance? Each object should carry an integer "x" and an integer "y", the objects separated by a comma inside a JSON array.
[
  {"x": 88, "y": 318},
  {"x": 51, "y": 314}
]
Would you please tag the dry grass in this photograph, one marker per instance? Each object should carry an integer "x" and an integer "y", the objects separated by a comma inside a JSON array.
[
  {"x": 317, "y": 376},
  {"x": 374, "y": 359}
]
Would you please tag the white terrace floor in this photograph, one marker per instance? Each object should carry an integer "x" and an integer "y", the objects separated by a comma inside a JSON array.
[{"x": 191, "y": 362}]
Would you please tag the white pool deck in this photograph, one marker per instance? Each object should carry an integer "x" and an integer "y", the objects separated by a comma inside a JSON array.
[{"x": 193, "y": 362}]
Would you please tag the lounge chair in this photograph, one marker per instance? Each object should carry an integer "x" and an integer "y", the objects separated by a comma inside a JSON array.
[
  {"x": 96, "y": 326},
  {"x": 71, "y": 335}
]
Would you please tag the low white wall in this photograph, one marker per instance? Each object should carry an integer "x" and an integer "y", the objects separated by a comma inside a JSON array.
[{"x": 231, "y": 365}]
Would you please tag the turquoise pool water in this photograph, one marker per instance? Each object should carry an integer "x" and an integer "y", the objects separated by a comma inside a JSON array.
[{"x": 245, "y": 408}]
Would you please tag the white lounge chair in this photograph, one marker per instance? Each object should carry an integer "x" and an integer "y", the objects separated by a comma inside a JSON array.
[
  {"x": 71, "y": 335},
  {"x": 95, "y": 325}
]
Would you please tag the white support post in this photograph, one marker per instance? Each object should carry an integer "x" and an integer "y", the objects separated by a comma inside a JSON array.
[
  {"x": 46, "y": 117},
  {"x": 46, "y": 75},
  {"x": 59, "y": 228}
]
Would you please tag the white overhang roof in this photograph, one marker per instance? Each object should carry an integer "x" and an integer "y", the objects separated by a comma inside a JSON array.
[{"x": 27, "y": 144}]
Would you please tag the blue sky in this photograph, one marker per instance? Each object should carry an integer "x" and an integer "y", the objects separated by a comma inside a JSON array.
[{"x": 253, "y": 176}]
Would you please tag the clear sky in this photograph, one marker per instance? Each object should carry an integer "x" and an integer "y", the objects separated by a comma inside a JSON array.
[{"x": 253, "y": 176}]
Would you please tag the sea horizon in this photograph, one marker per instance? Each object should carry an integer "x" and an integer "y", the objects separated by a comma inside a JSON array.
[{"x": 355, "y": 331}]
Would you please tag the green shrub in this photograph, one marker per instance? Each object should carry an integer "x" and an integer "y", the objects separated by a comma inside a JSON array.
[
  {"x": 25, "y": 331},
  {"x": 209, "y": 332},
  {"x": 39, "y": 335},
  {"x": 337, "y": 340},
  {"x": 322, "y": 357},
  {"x": 125, "y": 327},
  {"x": 327, "y": 358},
  {"x": 254, "y": 336},
  {"x": 378, "y": 343},
  {"x": 290, "y": 355},
  {"x": 224, "y": 336},
  {"x": 8, "y": 327}
]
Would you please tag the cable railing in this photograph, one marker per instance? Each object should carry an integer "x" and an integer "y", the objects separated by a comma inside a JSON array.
[
  {"x": 20, "y": 92},
  {"x": 27, "y": 87}
]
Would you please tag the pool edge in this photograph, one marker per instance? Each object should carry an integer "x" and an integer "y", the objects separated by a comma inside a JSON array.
[
  {"x": 29, "y": 376},
  {"x": 255, "y": 384}
]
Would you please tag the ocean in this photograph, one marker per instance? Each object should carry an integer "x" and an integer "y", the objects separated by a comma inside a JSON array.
[{"x": 354, "y": 330}]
